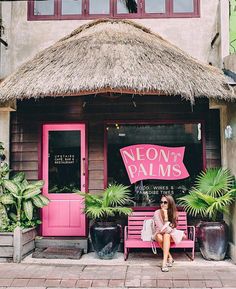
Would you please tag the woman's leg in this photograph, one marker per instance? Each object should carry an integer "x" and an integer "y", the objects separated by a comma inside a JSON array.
[
  {"x": 166, "y": 248},
  {"x": 159, "y": 239}
]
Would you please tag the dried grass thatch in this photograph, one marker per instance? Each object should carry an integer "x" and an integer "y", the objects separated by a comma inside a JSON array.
[{"x": 114, "y": 55}]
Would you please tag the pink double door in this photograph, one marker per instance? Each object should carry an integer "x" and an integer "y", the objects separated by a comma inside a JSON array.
[{"x": 64, "y": 171}]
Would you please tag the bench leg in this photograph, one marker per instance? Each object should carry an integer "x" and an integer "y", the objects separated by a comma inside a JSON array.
[
  {"x": 193, "y": 253},
  {"x": 190, "y": 257},
  {"x": 126, "y": 253}
]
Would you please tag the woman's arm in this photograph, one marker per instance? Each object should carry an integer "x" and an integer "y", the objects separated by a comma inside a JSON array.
[
  {"x": 165, "y": 215},
  {"x": 160, "y": 226}
]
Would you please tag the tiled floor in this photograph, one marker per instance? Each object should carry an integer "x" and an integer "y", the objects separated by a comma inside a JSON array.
[{"x": 140, "y": 271}]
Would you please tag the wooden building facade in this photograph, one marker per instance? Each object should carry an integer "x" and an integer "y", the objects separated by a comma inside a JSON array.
[{"x": 97, "y": 113}]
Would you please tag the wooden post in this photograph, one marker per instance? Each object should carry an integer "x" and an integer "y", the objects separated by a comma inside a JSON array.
[{"x": 17, "y": 245}]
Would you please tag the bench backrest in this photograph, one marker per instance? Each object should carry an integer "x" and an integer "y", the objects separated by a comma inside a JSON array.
[{"x": 135, "y": 222}]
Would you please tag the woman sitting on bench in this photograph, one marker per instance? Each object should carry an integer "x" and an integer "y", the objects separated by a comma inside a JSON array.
[{"x": 165, "y": 229}]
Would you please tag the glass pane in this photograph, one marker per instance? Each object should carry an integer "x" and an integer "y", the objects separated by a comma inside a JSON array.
[
  {"x": 70, "y": 7},
  {"x": 155, "y": 6},
  {"x": 183, "y": 6},
  {"x": 99, "y": 6},
  {"x": 148, "y": 192},
  {"x": 125, "y": 7},
  {"x": 45, "y": 7},
  {"x": 64, "y": 161}
]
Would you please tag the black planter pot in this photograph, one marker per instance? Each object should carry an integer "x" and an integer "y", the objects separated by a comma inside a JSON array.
[
  {"x": 213, "y": 239},
  {"x": 105, "y": 239}
]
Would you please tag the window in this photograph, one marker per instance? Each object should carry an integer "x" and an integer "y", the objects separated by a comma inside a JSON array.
[
  {"x": 154, "y": 7},
  {"x": 71, "y": 7},
  {"x": 147, "y": 192},
  {"x": 44, "y": 7},
  {"x": 91, "y": 9},
  {"x": 183, "y": 6},
  {"x": 123, "y": 8},
  {"x": 64, "y": 161},
  {"x": 101, "y": 7}
]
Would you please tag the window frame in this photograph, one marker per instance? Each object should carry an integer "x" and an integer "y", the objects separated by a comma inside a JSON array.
[
  {"x": 127, "y": 15},
  {"x": 194, "y": 14},
  {"x": 31, "y": 15},
  {"x": 151, "y": 122},
  {"x": 113, "y": 12},
  {"x": 70, "y": 16},
  {"x": 156, "y": 15},
  {"x": 95, "y": 16}
]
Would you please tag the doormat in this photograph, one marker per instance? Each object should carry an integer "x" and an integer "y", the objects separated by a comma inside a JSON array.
[{"x": 58, "y": 253}]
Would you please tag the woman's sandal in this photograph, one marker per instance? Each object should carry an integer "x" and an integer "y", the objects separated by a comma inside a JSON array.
[
  {"x": 164, "y": 268},
  {"x": 170, "y": 263}
]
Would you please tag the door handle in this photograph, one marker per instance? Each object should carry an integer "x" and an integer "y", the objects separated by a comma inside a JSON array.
[{"x": 83, "y": 166}]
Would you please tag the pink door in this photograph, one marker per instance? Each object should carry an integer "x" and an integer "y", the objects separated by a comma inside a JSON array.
[{"x": 63, "y": 171}]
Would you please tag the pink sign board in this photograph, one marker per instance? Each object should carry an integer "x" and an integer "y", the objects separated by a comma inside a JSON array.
[{"x": 147, "y": 161}]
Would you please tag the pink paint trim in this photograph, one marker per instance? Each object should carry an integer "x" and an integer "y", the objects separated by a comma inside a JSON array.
[
  {"x": 105, "y": 158},
  {"x": 40, "y": 149}
]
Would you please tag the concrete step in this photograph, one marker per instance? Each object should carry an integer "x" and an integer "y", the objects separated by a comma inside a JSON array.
[{"x": 63, "y": 242}]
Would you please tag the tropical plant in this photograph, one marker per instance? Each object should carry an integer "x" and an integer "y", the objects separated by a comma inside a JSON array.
[
  {"x": 213, "y": 192},
  {"x": 131, "y": 6},
  {"x": 4, "y": 170},
  {"x": 108, "y": 204},
  {"x": 23, "y": 196}
]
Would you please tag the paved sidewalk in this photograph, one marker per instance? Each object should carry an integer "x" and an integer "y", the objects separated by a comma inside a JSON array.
[{"x": 127, "y": 275}]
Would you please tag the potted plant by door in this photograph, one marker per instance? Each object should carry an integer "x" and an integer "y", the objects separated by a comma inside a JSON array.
[
  {"x": 210, "y": 197},
  {"x": 103, "y": 209},
  {"x": 19, "y": 200}
]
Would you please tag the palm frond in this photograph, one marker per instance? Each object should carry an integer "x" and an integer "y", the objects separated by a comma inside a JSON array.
[
  {"x": 214, "y": 181},
  {"x": 91, "y": 199},
  {"x": 95, "y": 212},
  {"x": 122, "y": 211},
  {"x": 107, "y": 204},
  {"x": 214, "y": 191},
  {"x": 220, "y": 204},
  {"x": 209, "y": 200},
  {"x": 193, "y": 204},
  {"x": 116, "y": 195}
]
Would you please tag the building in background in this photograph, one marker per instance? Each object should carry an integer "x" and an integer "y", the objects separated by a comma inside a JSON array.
[
  {"x": 98, "y": 120},
  {"x": 232, "y": 26}
]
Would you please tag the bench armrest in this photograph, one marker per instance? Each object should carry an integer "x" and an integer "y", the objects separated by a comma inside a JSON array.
[
  {"x": 191, "y": 232},
  {"x": 125, "y": 232}
]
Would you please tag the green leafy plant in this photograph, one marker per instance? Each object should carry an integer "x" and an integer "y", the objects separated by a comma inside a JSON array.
[
  {"x": 4, "y": 200},
  {"x": 19, "y": 198},
  {"x": 24, "y": 196},
  {"x": 213, "y": 192},
  {"x": 108, "y": 204}
]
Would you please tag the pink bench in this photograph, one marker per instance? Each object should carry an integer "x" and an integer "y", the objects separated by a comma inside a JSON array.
[{"x": 132, "y": 234}]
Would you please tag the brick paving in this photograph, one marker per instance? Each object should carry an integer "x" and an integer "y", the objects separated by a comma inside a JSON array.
[{"x": 42, "y": 276}]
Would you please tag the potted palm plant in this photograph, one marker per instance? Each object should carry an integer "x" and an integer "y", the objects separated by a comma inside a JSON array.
[
  {"x": 210, "y": 197},
  {"x": 103, "y": 209}
]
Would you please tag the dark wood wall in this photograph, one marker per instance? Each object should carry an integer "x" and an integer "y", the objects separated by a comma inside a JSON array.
[{"x": 26, "y": 126}]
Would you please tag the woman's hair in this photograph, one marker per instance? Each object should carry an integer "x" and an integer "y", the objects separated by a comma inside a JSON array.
[{"x": 172, "y": 210}]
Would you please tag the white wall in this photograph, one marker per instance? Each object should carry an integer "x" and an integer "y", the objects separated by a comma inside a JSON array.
[{"x": 26, "y": 38}]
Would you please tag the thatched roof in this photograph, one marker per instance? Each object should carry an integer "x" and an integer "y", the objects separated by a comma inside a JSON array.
[{"x": 114, "y": 55}]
